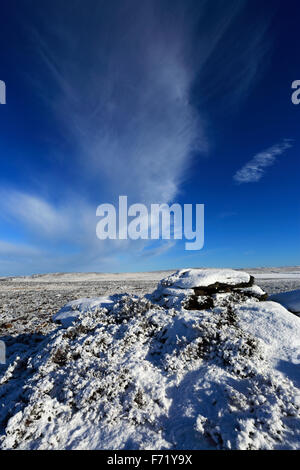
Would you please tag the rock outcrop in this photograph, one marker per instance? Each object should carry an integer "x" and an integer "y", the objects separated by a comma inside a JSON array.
[{"x": 202, "y": 289}]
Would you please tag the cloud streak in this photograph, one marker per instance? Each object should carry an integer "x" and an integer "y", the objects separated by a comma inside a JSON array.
[
  {"x": 123, "y": 96},
  {"x": 124, "y": 82},
  {"x": 255, "y": 169},
  {"x": 118, "y": 77}
]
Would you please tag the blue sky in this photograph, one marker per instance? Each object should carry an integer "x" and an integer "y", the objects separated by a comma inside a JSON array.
[{"x": 163, "y": 101}]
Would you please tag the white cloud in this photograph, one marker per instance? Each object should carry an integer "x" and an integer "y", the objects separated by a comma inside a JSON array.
[
  {"x": 8, "y": 249},
  {"x": 126, "y": 106},
  {"x": 118, "y": 80},
  {"x": 34, "y": 212},
  {"x": 61, "y": 238},
  {"x": 73, "y": 222},
  {"x": 254, "y": 170},
  {"x": 123, "y": 86}
]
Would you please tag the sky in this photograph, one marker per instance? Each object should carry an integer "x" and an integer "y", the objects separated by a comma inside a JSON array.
[{"x": 164, "y": 101}]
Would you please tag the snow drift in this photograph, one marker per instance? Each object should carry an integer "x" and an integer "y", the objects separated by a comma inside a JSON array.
[
  {"x": 290, "y": 300},
  {"x": 205, "y": 362}
]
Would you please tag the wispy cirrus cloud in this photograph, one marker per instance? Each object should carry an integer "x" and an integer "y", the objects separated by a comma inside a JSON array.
[
  {"x": 58, "y": 237},
  {"x": 118, "y": 77},
  {"x": 34, "y": 213},
  {"x": 14, "y": 250},
  {"x": 255, "y": 169},
  {"x": 123, "y": 85}
]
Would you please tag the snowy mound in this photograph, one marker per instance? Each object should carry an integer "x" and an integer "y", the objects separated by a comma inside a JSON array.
[
  {"x": 202, "y": 288},
  {"x": 134, "y": 374},
  {"x": 70, "y": 312},
  {"x": 290, "y": 300},
  {"x": 189, "y": 278}
]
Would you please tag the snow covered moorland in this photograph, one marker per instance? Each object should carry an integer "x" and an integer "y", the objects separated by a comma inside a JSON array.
[{"x": 204, "y": 362}]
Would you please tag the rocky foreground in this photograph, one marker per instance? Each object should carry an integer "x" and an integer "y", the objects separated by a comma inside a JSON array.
[{"x": 204, "y": 362}]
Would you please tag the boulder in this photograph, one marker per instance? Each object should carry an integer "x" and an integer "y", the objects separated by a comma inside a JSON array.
[{"x": 203, "y": 289}]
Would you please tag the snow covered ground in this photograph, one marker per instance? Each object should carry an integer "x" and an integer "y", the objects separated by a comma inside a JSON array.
[
  {"x": 290, "y": 300},
  {"x": 202, "y": 363},
  {"x": 28, "y": 303}
]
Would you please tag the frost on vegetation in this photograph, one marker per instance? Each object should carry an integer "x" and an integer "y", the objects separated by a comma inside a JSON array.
[{"x": 137, "y": 374}]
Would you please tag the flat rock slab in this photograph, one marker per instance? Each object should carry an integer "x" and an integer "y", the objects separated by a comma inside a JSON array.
[{"x": 191, "y": 278}]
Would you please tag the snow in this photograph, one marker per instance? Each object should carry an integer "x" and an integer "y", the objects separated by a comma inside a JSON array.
[
  {"x": 279, "y": 329},
  {"x": 290, "y": 300},
  {"x": 84, "y": 277},
  {"x": 256, "y": 291},
  {"x": 280, "y": 275},
  {"x": 129, "y": 373},
  {"x": 70, "y": 312},
  {"x": 188, "y": 278}
]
